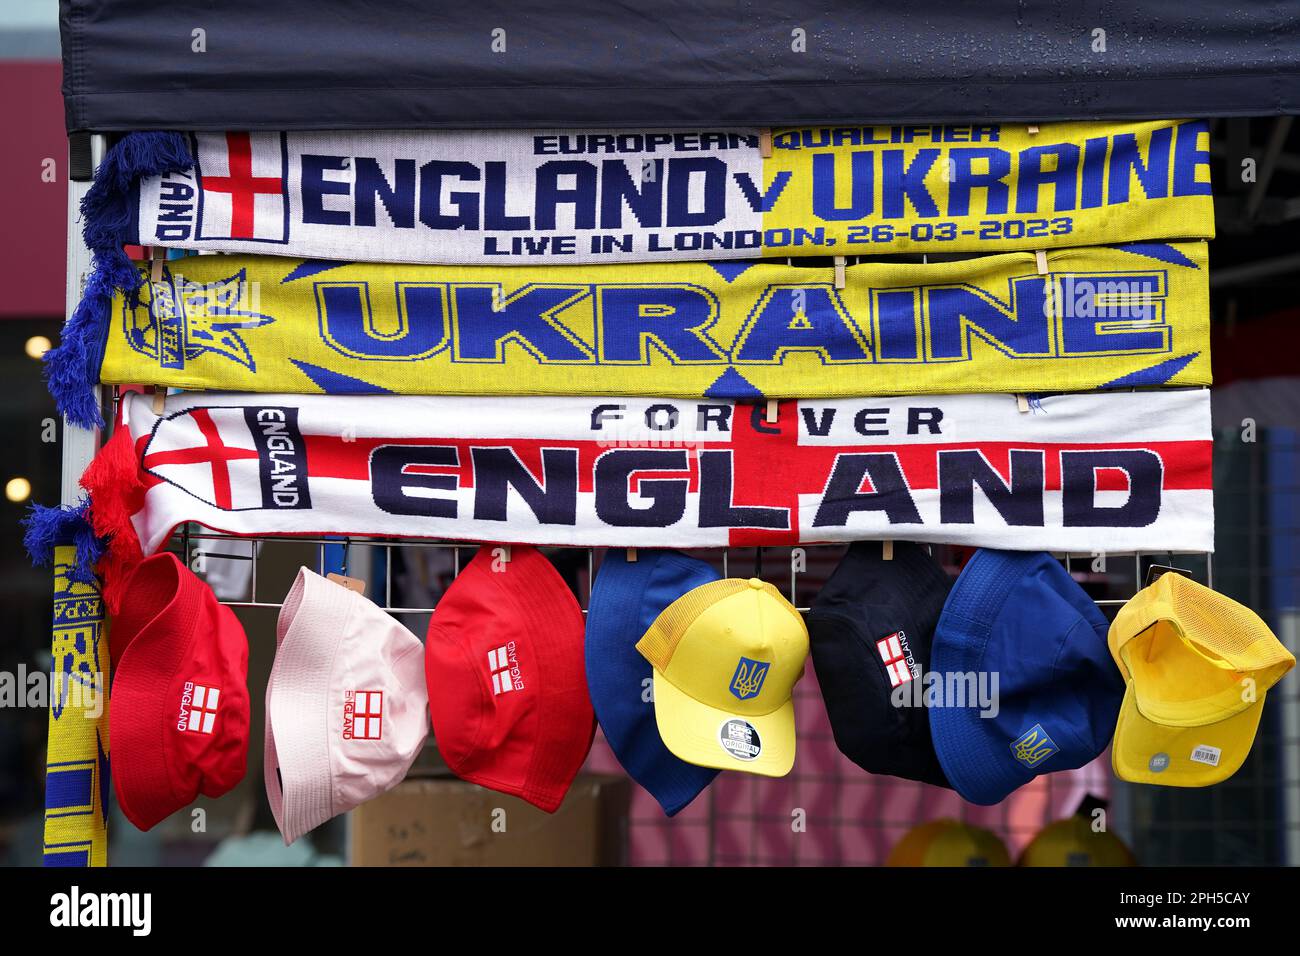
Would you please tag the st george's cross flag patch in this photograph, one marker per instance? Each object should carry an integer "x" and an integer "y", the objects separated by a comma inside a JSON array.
[
  {"x": 234, "y": 459},
  {"x": 894, "y": 655},
  {"x": 244, "y": 188},
  {"x": 1106, "y": 472}
]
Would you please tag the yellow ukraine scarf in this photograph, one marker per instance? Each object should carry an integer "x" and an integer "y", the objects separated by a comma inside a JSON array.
[{"x": 1095, "y": 317}]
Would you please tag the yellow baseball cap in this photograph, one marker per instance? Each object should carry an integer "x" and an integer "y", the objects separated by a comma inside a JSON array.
[
  {"x": 1073, "y": 842},
  {"x": 948, "y": 843},
  {"x": 1197, "y": 665},
  {"x": 726, "y": 656}
]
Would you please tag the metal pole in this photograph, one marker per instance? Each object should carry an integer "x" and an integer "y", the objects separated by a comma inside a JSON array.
[{"x": 79, "y": 444}]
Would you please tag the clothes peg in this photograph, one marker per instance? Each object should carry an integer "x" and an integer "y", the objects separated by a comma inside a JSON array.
[
  {"x": 1040, "y": 260},
  {"x": 156, "y": 269},
  {"x": 772, "y": 407},
  {"x": 887, "y": 550},
  {"x": 841, "y": 272},
  {"x": 1022, "y": 404},
  {"x": 159, "y": 399},
  {"x": 631, "y": 555},
  {"x": 1033, "y": 129},
  {"x": 765, "y": 142}
]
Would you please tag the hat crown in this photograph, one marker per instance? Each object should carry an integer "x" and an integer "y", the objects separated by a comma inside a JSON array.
[
  {"x": 1019, "y": 618},
  {"x": 625, "y": 600},
  {"x": 1190, "y": 652},
  {"x": 180, "y": 694},
  {"x": 1222, "y": 632},
  {"x": 733, "y": 644},
  {"x": 346, "y": 707},
  {"x": 507, "y": 690}
]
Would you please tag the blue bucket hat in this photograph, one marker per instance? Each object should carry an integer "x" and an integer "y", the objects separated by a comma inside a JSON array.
[
  {"x": 1019, "y": 616},
  {"x": 625, "y": 600}
]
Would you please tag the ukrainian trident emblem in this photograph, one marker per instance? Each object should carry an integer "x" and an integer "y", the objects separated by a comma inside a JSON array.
[
  {"x": 748, "y": 680},
  {"x": 1033, "y": 746},
  {"x": 177, "y": 321}
]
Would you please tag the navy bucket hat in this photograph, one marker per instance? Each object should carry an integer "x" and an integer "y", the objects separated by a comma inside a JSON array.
[
  {"x": 1020, "y": 619},
  {"x": 625, "y": 600}
]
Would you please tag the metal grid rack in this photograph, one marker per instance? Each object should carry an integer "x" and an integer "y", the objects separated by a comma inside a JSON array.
[{"x": 189, "y": 546}]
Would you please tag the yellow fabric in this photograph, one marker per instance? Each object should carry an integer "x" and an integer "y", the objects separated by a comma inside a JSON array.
[
  {"x": 666, "y": 631},
  {"x": 1052, "y": 218},
  {"x": 1198, "y": 665},
  {"x": 948, "y": 843},
  {"x": 76, "y": 761},
  {"x": 726, "y": 657},
  {"x": 991, "y": 324},
  {"x": 1073, "y": 842}
]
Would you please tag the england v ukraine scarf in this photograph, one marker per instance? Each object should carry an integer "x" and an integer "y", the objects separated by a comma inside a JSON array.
[
  {"x": 1098, "y": 317},
  {"x": 1117, "y": 471},
  {"x": 645, "y": 195}
]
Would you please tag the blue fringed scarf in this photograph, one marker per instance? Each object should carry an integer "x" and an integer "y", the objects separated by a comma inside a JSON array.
[
  {"x": 47, "y": 528},
  {"x": 72, "y": 369}
]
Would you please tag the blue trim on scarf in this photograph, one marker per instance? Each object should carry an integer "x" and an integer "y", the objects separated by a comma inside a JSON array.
[
  {"x": 336, "y": 383},
  {"x": 1157, "y": 374}
]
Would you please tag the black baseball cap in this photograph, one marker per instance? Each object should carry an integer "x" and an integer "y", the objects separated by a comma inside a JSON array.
[{"x": 871, "y": 629}]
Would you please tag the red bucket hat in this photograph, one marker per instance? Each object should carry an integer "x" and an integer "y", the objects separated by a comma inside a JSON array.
[
  {"x": 507, "y": 686},
  {"x": 179, "y": 705}
]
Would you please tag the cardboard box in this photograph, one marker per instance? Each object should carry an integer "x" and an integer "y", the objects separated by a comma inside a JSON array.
[{"x": 447, "y": 822}]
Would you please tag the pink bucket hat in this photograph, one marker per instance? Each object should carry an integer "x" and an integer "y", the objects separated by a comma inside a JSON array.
[{"x": 346, "y": 706}]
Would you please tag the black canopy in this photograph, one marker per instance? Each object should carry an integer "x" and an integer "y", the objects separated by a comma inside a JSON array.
[{"x": 323, "y": 64}]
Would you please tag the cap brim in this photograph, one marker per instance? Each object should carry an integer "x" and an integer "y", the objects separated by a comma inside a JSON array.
[
  {"x": 1138, "y": 740},
  {"x": 693, "y": 732}
]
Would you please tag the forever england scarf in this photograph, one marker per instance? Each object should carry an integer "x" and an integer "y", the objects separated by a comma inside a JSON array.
[
  {"x": 644, "y": 195},
  {"x": 1117, "y": 471},
  {"x": 1098, "y": 317}
]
